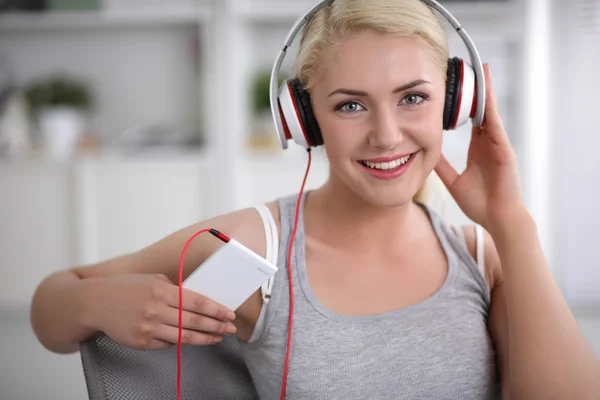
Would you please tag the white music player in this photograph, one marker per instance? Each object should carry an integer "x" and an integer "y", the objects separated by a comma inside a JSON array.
[{"x": 230, "y": 275}]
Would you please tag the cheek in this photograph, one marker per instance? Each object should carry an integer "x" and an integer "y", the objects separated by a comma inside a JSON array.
[
  {"x": 425, "y": 131},
  {"x": 339, "y": 142},
  {"x": 341, "y": 137},
  {"x": 429, "y": 129},
  {"x": 430, "y": 136}
]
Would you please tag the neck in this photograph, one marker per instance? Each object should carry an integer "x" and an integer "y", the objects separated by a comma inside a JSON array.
[{"x": 340, "y": 217}]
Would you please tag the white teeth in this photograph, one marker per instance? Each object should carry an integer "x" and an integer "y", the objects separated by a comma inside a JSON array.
[{"x": 387, "y": 165}]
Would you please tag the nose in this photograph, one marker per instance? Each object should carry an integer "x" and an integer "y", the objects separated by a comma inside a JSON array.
[{"x": 386, "y": 130}]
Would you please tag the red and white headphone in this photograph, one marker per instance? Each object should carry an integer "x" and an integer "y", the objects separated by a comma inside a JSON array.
[{"x": 291, "y": 105}]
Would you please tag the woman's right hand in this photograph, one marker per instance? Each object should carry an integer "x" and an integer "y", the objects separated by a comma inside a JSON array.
[{"x": 141, "y": 311}]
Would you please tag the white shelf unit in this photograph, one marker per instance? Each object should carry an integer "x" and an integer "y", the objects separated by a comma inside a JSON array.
[{"x": 235, "y": 38}]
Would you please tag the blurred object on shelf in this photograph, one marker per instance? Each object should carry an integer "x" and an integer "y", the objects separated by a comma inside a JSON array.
[
  {"x": 166, "y": 7},
  {"x": 153, "y": 136},
  {"x": 7, "y": 79},
  {"x": 89, "y": 143},
  {"x": 23, "y": 5},
  {"x": 263, "y": 134},
  {"x": 61, "y": 129},
  {"x": 15, "y": 126},
  {"x": 60, "y": 106},
  {"x": 74, "y": 5}
]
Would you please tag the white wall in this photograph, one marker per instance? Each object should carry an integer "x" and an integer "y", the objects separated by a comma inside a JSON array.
[
  {"x": 35, "y": 238},
  {"x": 577, "y": 138}
]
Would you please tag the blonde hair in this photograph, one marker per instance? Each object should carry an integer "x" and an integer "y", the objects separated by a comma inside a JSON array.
[{"x": 342, "y": 18}]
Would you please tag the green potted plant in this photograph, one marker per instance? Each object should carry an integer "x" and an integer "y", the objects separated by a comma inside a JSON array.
[
  {"x": 263, "y": 130},
  {"x": 60, "y": 105}
]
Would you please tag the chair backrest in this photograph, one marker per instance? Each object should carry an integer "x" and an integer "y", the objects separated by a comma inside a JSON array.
[{"x": 115, "y": 372}]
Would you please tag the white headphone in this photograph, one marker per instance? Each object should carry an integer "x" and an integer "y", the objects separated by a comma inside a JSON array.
[{"x": 292, "y": 111}]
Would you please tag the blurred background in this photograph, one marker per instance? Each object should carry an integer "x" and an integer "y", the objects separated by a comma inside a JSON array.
[{"x": 122, "y": 121}]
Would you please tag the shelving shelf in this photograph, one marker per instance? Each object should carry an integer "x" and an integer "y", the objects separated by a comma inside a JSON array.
[
  {"x": 60, "y": 21},
  {"x": 286, "y": 12},
  {"x": 484, "y": 18}
]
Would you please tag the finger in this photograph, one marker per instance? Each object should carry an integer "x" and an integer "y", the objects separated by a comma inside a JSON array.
[
  {"x": 170, "y": 334},
  {"x": 157, "y": 344},
  {"x": 149, "y": 343},
  {"x": 163, "y": 278},
  {"x": 446, "y": 172},
  {"x": 492, "y": 123},
  {"x": 197, "y": 322},
  {"x": 200, "y": 304}
]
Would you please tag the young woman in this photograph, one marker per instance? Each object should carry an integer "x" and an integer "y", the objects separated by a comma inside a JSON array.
[{"x": 389, "y": 300}]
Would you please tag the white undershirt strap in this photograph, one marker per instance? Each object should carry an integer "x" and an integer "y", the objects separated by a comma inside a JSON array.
[
  {"x": 480, "y": 249},
  {"x": 272, "y": 245}
]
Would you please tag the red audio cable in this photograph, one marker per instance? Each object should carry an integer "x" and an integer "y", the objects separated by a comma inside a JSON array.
[
  {"x": 225, "y": 239},
  {"x": 289, "y": 342}
]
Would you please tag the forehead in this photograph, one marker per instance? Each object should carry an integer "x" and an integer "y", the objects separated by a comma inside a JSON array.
[{"x": 371, "y": 59}]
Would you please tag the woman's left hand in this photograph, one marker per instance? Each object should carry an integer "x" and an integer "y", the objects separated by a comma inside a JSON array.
[{"x": 489, "y": 189}]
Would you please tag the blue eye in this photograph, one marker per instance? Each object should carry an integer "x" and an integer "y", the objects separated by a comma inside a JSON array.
[
  {"x": 349, "y": 107},
  {"x": 414, "y": 98}
]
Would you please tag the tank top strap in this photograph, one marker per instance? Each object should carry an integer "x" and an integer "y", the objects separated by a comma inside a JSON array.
[{"x": 455, "y": 245}]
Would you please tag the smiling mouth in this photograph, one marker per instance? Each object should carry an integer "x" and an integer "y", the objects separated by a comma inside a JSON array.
[{"x": 389, "y": 165}]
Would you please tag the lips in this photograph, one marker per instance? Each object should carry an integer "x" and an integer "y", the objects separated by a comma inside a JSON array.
[
  {"x": 387, "y": 163},
  {"x": 388, "y": 167},
  {"x": 388, "y": 159}
]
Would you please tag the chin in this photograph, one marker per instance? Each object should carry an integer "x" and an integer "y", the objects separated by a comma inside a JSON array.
[{"x": 386, "y": 197}]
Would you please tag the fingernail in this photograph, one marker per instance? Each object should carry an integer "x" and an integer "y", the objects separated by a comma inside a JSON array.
[
  {"x": 231, "y": 328},
  {"x": 230, "y": 315},
  {"x": 217, "y": 339}
]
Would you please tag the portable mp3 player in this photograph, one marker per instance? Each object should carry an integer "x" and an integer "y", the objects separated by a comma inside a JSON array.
[{"x": 230, "y": 275}]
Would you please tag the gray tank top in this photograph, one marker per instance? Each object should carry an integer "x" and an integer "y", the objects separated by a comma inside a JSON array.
[{"x": 437, "y": 349}]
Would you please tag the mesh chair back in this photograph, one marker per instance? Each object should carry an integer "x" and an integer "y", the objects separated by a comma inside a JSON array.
[{"x": 115, "y": 372}]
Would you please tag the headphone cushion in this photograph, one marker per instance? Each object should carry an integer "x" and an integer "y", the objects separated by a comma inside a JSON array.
[
  {"x": 453, "y": 83},
  {"x": 304, "y": 107}
]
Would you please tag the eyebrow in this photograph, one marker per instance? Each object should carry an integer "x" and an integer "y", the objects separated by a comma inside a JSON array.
[{"x": 351, "y": 92}]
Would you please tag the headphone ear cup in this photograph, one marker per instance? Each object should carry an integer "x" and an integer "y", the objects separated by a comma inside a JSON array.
[
  {"x": 452, "y": 92},
  {"x": 290, "y": 117},
  {"x": 309, "y": 123},
  {"x": 297, "y": 117},
  {"x": 461, "y": 94}
]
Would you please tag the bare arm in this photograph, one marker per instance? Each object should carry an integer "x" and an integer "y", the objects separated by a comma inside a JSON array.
[
  {"x": 66, "y": 303},
  {"x": 541, "y": 350}
]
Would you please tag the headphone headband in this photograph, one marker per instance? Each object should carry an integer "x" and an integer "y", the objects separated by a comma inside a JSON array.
[{"x": 303, "y": 20}]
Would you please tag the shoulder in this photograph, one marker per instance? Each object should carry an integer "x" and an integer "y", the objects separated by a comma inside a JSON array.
[
  {"x": 492, "y": 267},
  {"x": 247, "y": 227},
  {"x": 244, "y": 225}
]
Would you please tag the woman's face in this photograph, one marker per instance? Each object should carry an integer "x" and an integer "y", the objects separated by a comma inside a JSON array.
[{"x": 379, "y": 104}]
